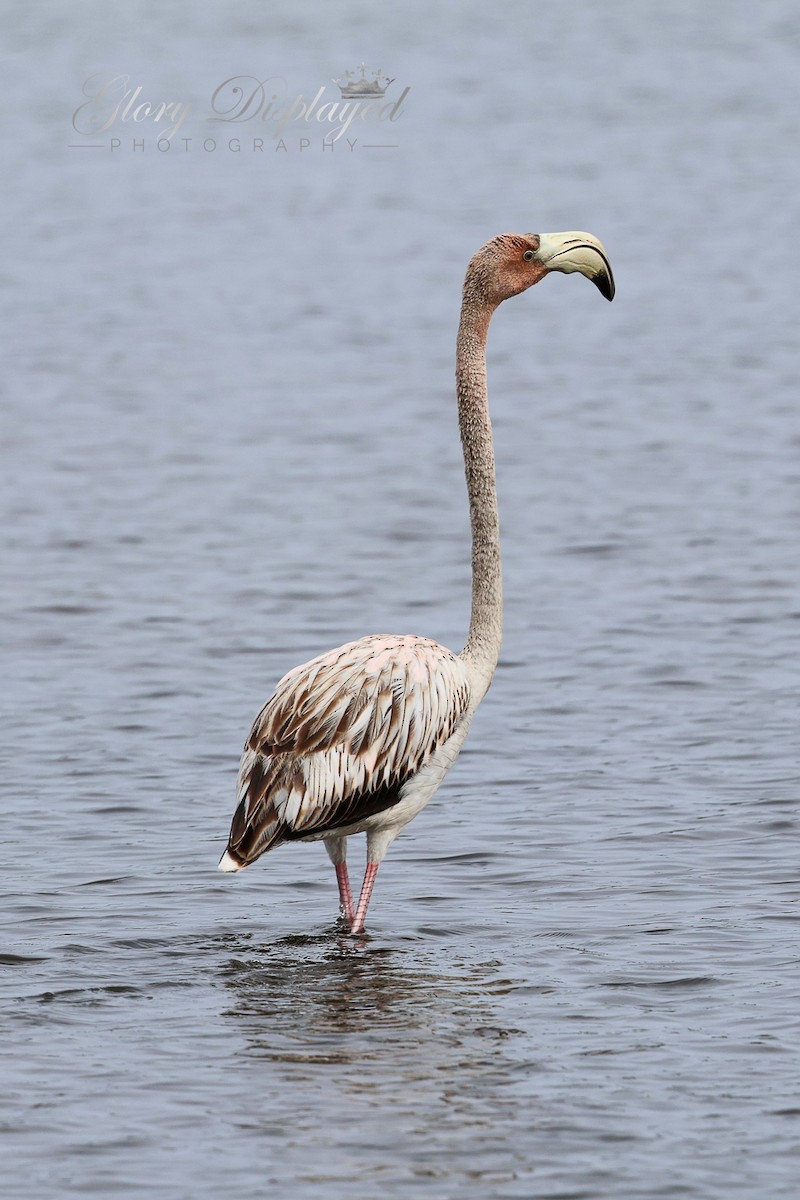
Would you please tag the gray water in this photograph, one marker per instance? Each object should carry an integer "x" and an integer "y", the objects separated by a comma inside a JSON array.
[{"x": 230, "y": 443}]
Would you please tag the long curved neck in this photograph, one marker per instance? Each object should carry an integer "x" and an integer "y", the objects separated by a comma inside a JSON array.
[{"x": 486, "y": 623}]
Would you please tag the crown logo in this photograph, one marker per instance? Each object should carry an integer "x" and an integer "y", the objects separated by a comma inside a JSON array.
[{"x": 363, "y": 88}]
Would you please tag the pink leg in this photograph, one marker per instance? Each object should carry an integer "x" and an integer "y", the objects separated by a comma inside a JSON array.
[
  {"x": 345, "y": 895},
  {"x": 363, "y": 900}
]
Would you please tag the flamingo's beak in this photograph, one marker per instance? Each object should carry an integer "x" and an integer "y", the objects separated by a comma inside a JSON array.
[{"x": 576, "y": 251}]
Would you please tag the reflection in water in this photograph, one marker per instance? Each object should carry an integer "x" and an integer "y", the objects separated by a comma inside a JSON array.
[
  {"x": 328, "y": 998},
  {"x": 409, "y": 1059}
]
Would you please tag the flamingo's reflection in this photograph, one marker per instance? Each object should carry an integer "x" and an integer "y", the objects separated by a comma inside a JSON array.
[{"x": 377, "y": 1012}]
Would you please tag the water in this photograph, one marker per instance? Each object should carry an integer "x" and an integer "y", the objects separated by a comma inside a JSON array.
[{"x": 230, "y": 443}]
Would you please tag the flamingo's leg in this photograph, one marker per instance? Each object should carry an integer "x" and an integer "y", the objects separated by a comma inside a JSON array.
[
  {"x": 345, "y": 894},
  {"x": 370, "y": 874}
]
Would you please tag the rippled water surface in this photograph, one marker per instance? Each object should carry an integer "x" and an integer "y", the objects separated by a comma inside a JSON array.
[{"x": 229, "y": 443}]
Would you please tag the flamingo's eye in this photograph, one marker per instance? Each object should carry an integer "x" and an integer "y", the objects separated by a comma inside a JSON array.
[{"x": 528, "y": 255}]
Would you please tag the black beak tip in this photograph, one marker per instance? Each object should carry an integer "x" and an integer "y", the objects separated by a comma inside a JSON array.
[{"x": 604, "y": 282}]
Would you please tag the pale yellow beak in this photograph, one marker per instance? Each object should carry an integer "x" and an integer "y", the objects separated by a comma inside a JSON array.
[{"x": 576, "y": 251}]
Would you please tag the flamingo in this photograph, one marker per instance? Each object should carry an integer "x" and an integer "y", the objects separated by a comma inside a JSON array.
[{"x": 359, "y": 739}]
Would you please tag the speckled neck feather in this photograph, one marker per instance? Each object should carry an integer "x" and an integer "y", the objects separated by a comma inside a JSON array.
[{"x": 486, "y": 623}]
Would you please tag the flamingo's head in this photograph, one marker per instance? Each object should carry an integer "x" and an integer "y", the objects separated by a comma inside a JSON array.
[{"x": 512, "y": 262}]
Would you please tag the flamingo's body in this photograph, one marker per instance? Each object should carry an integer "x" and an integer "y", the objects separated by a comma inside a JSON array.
[{"x": 359, "y": 739}]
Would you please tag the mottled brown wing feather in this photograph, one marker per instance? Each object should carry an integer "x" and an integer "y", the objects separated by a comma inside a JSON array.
[{"x": 340, "y": 737}]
